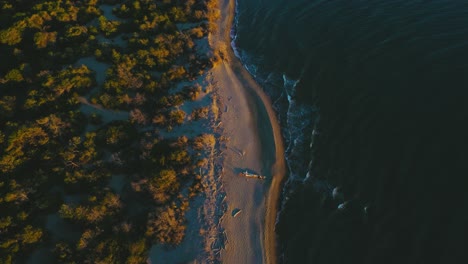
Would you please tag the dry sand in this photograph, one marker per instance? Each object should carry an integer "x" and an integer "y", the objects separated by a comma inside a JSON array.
[{"x": 255, "y": 143}]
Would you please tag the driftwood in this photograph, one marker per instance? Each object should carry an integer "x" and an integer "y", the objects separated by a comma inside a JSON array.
[
  {"x": 252, "y": 175},
  {"x": 236, "y": 212}
]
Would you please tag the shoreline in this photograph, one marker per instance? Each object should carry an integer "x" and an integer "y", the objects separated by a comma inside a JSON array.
[{"x": 265, "y": 153}]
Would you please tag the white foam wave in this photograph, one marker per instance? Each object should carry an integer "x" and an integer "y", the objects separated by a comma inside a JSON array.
[
  {"x": 298, "y": 122},
  {"x": 233, "y": 32}
]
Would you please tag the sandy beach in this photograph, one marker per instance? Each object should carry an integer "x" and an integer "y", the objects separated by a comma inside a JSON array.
[
  {"x": 234, "y": 220},
  {"x": 255, "y": 143}
]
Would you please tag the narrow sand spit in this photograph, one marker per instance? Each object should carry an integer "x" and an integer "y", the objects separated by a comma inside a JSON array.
[{"x": 255, "y": 143}]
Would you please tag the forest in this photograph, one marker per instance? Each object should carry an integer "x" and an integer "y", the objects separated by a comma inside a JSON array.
[{"x": 90, "y": 91}]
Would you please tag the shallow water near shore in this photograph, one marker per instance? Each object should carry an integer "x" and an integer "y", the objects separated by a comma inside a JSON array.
[{"x": 387, "y": 80}]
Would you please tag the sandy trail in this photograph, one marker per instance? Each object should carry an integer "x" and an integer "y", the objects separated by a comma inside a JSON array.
[{"x": 253, "y": 129}]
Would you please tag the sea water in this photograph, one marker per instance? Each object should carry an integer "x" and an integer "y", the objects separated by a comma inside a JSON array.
[{"x": 372, "y": 97}]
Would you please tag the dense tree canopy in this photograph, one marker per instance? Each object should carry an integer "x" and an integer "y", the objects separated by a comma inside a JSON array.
[{"x": 70, "y": 128}]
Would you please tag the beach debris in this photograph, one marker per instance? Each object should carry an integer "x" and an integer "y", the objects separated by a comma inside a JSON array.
[
  {"x": 252, "y": 175},
  {"x": 235, "y": 212}
]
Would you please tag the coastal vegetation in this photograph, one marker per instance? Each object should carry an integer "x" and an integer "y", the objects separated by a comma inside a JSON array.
[{"x": 89, "y": 93}]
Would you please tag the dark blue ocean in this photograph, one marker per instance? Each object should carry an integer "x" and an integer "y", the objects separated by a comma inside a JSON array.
[{"x": 373, "y": 102}]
